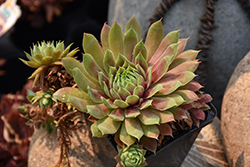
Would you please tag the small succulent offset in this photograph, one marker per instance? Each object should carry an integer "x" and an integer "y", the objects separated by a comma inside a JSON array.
[
  {"x": 44, "y": 55},
  {"x": 131, "y": 156},
  {"x": 44, "y": 99},
  {"x": 134, "y": 90}
]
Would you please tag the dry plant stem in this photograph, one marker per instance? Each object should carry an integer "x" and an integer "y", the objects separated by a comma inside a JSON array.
[
  {"x": 64, "y": 136},
  {"x": 160, "y": 11},
  {"x": 57, "y": 77},
  {"x": 205, "y": 41}
]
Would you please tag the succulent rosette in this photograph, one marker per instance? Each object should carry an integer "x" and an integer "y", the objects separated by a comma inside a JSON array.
[
  {"x": 132, "y": 156},
  {"x": 44, "y": 55},
  {"x": 44, "y": 99},
  {"x": 132, "y": 89}
]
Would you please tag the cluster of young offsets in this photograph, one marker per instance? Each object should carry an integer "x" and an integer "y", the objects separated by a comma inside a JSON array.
[{"x": 132, "y": 90}]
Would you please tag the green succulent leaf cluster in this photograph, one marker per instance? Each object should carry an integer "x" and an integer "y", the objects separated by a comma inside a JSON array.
[
  {"x": 132, "y": 156},
  {"x": 45, "y": 54},
  {"x": 131, "y": 89},
  {"x": 44, "y": 99}
]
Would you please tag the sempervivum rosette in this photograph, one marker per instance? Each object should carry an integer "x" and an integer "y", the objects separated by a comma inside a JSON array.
[
  {"x": 44, "y": 55},
  {"x": 133, "y": 90}
]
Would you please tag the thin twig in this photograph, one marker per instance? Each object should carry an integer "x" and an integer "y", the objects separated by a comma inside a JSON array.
[{"x": 205, "y": 41}]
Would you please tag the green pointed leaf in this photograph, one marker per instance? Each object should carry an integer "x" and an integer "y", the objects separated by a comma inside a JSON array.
[
  {"x": 145, "y": 104},
  {"x": 186, "y": 66},
  {"x": 182, "y": 44},
  {"x": 172, "y": 83},
  {"x": 169, "y": 39},
  {"x": 130, "y": 40},
  {"x": 64, "y": 93},
  {"x": 36, "y": 50},
  {"x": 139, "y": 91},
  {"x": 66, "y": 51},
  {"x": 177, "y": 98},
  {"x": 121, "y": 103},
  {"x": 187, "y": 95},
  {"x": 163, "y": 103},
  {"x": 130, "y": 87},
  {"x": 108, "y": 126},
  {"x": 120, "y": 61},
  {"x": 79, "y": 103},
  {"x": 132, "y": 112},
  {"x": 148, "y": 118},
  {"x": 95, "y": 131},
  {"x": 141, "y": 71},
  {"x": 108, "y": 60},
  {"x": 165, "y": 116},
  {"x": 170, "y": 51},
  {"x": 117, "y": 114},
  {"x": 102, "y": 78},
  {"x": 36, "y": 72},
  {"x": 82, "y": 81},
  {"x": 98, "y": 111},
  {"x": 154, "y": 38},
  {"x": 105, "y": 37},
  {"x": 39, "y": 58},
  {"x": 108, "y": 103},
  {"x": 36, "y": 80},
  {"x": 106, "y": 89},
  {"x": 91, "y": 66},
  {"x": 141, "y": 61},
  {"x": 123, "y": 93},
  {"x": 31, "y": 63},
  {"x": 70, "y": 64},
  {"x": 72, "y": 53},
  {"x": 188, "y": 55},
  {"x": 49, "y": 51},
  {"x": 56, "y": 54},
  {"x": 152, "y": 91},
  {"x": 133, "y": 23},
  {"x": 114, "y": 94},
  {"x": 116, "y": 40},
  {"x": 74, "y": 96},
  {"x": 151, "y": 131},
  {"x": 159, "y": 71},
  {"x": 132, "y": 99},
  {"x": 92, "y": 47},
  {"x": 127, "y": 64},
  {"x": 169, "y": 87},
  {"x": 192, "y": 85},
  {"x": 30, "y": 95},
  {"x": 149, "y": 78},
  {"x": 60, "y": 47},
  {"x": 133, "y": 128},
  {"x": 125, "y": 137},
  {"x": 29, "y": 57},
  {"x": 140, "y": 48},
  {"x": 96, "y": 95},
  {"x": 47, "y": 60}
]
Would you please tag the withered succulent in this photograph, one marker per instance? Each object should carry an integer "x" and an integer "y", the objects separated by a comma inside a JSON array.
[
  {"x": 134, "y": 90},
  {"x": 44, "y": 55}
]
